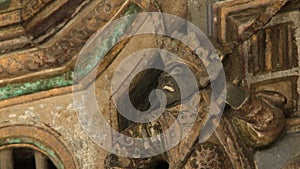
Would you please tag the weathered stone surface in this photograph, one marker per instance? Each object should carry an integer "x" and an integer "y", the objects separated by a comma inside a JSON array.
[{"x": 39, "y": 42}]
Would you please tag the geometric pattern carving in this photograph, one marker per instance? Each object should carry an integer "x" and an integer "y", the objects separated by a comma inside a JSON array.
[
  {"x": 265, "y": 39},
  {"x": 236, "y": 21},
  {"x": 273, "y": 49},
  {"x": 59, "y": 52},
  {"x": 273, "y": 53}
]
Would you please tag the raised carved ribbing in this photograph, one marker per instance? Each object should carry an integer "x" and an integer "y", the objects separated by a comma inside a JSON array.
[
  {"x": 63, "y": 49},
  {"x": 273, "y": 49}
]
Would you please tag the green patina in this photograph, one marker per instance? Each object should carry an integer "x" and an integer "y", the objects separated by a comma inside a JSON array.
[
  {"x": 14, "y": 141},
  {"x": 14, "y": 90},
  {"x": 91, "y": 61},
  {"x": 4, "y": 4},
  {"x": 93, "y": 58},
  {"x": 49, "y": 152}
]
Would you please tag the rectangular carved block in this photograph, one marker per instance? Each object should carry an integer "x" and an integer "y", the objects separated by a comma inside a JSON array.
[
  {"x": 232, "y": 17},
  {"x": 273, "y": 49}
]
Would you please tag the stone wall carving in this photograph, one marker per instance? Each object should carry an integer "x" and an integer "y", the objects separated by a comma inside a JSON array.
[{"x": 259, "y": 44}]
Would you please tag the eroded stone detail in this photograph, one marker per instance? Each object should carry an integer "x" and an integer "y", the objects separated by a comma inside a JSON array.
[
  {"x": 227, "y": 148},
  {"x": 254, "y": 116}
]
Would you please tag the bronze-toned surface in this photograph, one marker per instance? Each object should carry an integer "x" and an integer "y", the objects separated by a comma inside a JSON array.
[
  {"x": 251, "y": 16},
  {"x": 32, "y": 86},
  {"x": 258, "y": 41},
  {"x": 256, "y": 122},
  {"x": 13, "y": 135},
  {"x": 59, "y": 50},
  {"x": 270, "y": 54}
]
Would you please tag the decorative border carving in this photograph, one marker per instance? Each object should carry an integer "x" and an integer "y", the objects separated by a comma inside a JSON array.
[
  {"x": 41, "y": 140},
  {"x": 61, "y": 79},
  {"x": 244, "y": 29},
  {"x": 61, "y": 48}
]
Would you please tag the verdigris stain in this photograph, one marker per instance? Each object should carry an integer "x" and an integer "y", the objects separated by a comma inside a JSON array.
[
  {"x": 35, "y": 143},
  {"x": 66, "y": 79}
]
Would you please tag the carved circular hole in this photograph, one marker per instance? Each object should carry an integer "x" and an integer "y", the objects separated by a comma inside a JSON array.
[
  {"x": 24, "y": 158},
  {"x": 47, "y": 143}
]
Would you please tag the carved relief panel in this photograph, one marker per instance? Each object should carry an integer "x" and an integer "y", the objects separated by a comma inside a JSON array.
[{"x": 257, "y": 41}]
